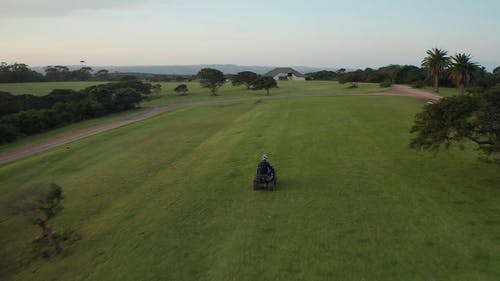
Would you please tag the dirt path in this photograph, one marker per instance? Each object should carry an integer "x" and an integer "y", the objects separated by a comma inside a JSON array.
[{"x": 24, "y": 152}]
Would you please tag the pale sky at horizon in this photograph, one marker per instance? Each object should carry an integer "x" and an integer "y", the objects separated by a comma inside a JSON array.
[{"x": 351, "y": 34}]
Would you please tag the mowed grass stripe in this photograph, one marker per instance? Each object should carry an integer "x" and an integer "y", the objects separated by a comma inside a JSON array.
[{"x": 170, "y": 198}]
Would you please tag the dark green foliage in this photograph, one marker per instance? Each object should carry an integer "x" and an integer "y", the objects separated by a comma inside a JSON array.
[
  {"x": 353, "y": 76},
  {"x": 25, "y": 115},
  {"x": 18, "y": 72},
  {"x": 323, "y": 75},
  {"x": 386, "y": 84},
  {"x": 182, "y": 89},
  {"x": 390, "y": 72},
  {"x": 127, "y": 77},
  {"x": 246, "y": 78},
  {"x": 264, "y": 83},
  {"x": 456, "y": 119},
  {"x": 211, "y": 79},
  {"x": 406, "y": 74},
  {"x": 418, "y": 84},
  {"x": 410, "y": 74},
  {"x": 62, "y": 73},
  {"x": 102, "y": 75},
  {"x": 57, "y": 73},
  {"x": 139, "y": 86}
]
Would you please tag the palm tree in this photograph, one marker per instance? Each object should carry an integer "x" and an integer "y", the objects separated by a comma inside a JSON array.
[
  {"x": 436, "y": 62},
  {"x": 461, "y": 70}
]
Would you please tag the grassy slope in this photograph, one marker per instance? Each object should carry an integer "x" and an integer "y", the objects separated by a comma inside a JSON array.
[
  {"x": 286, "y": 88},
  {"x": 168, "y": 96},
  {"x": 170, "y": 198},
  {"x": 196, "y": 92},
  {"x": 43, "y": 88}
]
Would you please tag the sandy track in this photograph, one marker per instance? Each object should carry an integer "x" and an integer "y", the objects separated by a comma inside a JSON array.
[{"x": 24, "y": 152}]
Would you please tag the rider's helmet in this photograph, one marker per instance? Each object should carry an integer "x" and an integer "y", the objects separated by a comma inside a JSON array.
[{"x": 264, "y": 157}]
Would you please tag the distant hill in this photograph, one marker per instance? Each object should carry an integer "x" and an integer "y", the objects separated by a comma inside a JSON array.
[{"x": 190, "y": 69}]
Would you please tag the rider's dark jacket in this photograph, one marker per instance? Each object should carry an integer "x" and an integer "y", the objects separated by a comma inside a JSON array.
[{"x": 265, "y": 168}]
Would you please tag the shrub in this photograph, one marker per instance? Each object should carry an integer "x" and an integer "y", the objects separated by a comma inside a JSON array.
[
  {"x": 353, "y": 85},
  {"x": 181, "y": 89},
  {"x": 385, "y": 84},
  {"x": 418, "y": 84}
]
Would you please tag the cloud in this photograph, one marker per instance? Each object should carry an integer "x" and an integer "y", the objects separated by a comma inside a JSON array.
[{"x": 50, "y": 8}]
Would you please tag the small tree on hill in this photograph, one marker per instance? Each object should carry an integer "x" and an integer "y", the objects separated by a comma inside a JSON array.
[
  {"x": 181, "y": 89},
  {"x": 264, "y": 83},
  {"x": 41, "y": 203},
  {"x": 246, "y": 78},
  {"x": 211, "y": 79}
]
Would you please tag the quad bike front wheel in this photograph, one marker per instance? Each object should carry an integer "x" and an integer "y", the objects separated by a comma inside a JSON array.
[{"x": 256, "y": 184}]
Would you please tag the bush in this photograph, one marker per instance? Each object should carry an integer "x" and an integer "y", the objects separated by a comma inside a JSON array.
[
  {"x": 385, "y": 84},
  {"x": 8, "y": 133},
  {"x": 353, "y": 85},
  {"x": 25, "y": 115},
  {"x": 418, "y": 84},
  {"x": 182, "y": 89}
]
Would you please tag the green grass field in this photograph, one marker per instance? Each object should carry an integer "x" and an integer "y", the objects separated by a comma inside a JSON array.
[
  {"x": 286, "y": 88},
  {"x": 43, "y": 88},
  {"x": 170, "y": 198},
  {"x": 196, "y": 93},
  {"x": 168, "y": 96}
]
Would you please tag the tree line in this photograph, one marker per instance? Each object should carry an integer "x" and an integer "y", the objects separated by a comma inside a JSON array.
[
  {"x": 432, "y": 72},
  {"x": 24, "y": 115},
  {"x": 213, "y": 79},
  {"x": 20, "y": 72}
]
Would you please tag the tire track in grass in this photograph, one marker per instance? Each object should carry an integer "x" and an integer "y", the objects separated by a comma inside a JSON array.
[{"x": 186, "y": 202}]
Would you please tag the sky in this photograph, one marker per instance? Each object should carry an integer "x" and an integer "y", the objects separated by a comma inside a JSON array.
[{"x": 320, "y": 33}]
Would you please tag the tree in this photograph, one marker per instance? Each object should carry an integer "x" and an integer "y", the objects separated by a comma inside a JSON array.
[
  {"x": 435, "y": 63},
  {"x": 211, "y": 79},
  {"x": 18, "y": 72},
  {"x": 42, "y": 203},
  {"x": 453, "y": 120},
  {"x": 245, "y": 78},
  {"x": 496, "y": 75},
  {"x": 102, "y": 75},
  {"x": 264, "y": 83},
  {"x": 181, "y": 89},
  {"x": 57, "y": 73},
  {"x": 461, "y": 70},
  {"x": 390, "y": 72},
  {"x": 410, "y": 74},
  {"x": 83, "y": 74}
]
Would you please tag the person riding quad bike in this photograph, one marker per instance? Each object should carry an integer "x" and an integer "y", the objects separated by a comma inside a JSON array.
[{"x": 266, "y": 175}]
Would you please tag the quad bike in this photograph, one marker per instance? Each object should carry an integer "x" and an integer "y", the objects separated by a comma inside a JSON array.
[{"x": 264, "y": 182}]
